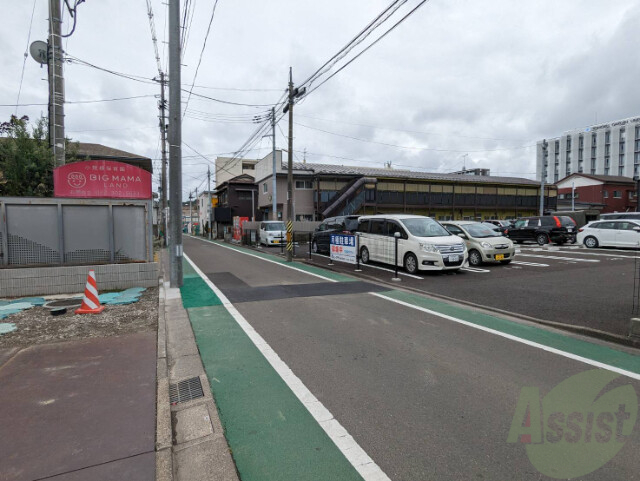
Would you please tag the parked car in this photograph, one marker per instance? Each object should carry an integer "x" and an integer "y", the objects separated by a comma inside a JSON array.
[
  {"x": 621, "y": 215},
  {"x": 321, "y": 238},
  {"x": 272, "y": 232},
  {"x": 483, "y": 243},
  {"x": 610, "y": 233},
  {"x": 423, "y": 243},
  {"x": 499, "y": 225},
  {"x": 548, "y": 228}
]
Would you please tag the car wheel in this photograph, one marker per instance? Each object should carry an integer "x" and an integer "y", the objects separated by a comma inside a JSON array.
[
  {"x": 314, "y": 247},
  {"x": 542, "y": 239},
  {"x": 591, "y": 242},
  {"x": 573, "y": 240},
  {"x": 508, "y": 261},
  {"x": 364, "y": 255},
  {"x": 475, "y": 258},
  {"x": 410, "y": 263}
]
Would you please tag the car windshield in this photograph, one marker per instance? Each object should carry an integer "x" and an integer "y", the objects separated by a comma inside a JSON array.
[
  {"x": 481, "y": 230},
  {"x": 278, "y": 226},
  {"x": 424, "y": 227}
]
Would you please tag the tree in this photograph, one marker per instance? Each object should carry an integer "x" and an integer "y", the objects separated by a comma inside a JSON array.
[{"x": 26, "y": 162}]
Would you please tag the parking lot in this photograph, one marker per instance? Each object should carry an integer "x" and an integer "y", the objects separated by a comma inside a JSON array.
[{"x": 586, "y": 288}]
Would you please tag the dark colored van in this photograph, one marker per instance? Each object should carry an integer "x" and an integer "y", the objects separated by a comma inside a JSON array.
[
  {"x": 321, "y": 239},
  {"x": 559, "y": 229}
]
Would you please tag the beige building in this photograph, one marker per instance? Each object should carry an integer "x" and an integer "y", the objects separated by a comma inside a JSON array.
[{"x": 228, "y": 168}]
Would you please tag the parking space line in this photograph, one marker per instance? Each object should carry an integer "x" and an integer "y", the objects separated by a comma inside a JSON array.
[
  {"x": 375, "y": 267},
  {"x": 530, "y": 264},
  {"x": 475, "y": 269},
  {"x": 574, "y": 259},
  {"x": 481, "y": 322},
  {"x": 601, "y": 254}
]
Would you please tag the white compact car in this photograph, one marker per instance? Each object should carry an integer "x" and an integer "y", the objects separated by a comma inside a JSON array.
[
  {"x": 272, "y": 232},
  {"x": 423, "y": 243},
  {"x": 610, "y": 233}
]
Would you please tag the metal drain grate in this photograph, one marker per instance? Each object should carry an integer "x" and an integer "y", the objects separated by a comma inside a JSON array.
[{"x": 185, "y": 390}]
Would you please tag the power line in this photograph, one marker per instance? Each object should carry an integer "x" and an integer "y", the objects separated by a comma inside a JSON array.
[
  {"x": 204, "y": 45},
  {"x": 82, "y": 101},
  {"x": 154, "y": 39},
  {"x": 26, "y": 54},
  {"x": 409, "y": 131},
  {"x": 411, "y": 12},
  {"x": 412, "y": 148}
]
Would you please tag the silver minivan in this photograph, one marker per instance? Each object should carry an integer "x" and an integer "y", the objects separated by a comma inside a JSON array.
[{"x": 423, "y": 243}]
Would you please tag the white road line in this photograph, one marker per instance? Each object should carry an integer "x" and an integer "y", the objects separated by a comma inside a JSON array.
[
  {"x": 601, "y": 254},
  {"x": 351, "y": 450},
  {"x": 530, "y": 264},
  {"x": 239, "y": 251},
  {"x": 575, "y": 357},
  {"x": 575, "y": 259},
  {"x": 474, "y": 269},
  {"x": 377, "y": 267}
]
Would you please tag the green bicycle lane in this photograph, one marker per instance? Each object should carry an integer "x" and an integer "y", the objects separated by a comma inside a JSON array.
[{"x": 271, "y": 433}]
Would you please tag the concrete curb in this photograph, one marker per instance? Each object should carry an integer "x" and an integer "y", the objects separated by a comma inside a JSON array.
[{"x": 164, "y": 458}]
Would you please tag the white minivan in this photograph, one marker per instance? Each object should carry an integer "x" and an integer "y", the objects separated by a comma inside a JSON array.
[
  {"x": 423, "y": 243},
  {"x": 272, "y": 232}
]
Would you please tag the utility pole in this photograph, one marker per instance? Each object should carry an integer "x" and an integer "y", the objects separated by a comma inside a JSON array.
[
  {"x": 163, "y": 134},
  {"x": 198, "y": 208},
  {"x": 209, "y": 200},
  {"x": 190, "y": 213},
  {"x": 175, "y": 145},
  {"x": 293, "y": 94},
  {"x": 573, "y": 196},
  {"x": 56, "y": 85},
  {"x": 274, "y": 203},
  {"x": 545, "y": 144}
]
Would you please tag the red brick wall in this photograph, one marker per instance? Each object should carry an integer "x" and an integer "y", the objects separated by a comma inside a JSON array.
[{"x": 595, "y": 193}]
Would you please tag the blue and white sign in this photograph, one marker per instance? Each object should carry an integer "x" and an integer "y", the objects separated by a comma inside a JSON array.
[{"x": 343, "y": 248}]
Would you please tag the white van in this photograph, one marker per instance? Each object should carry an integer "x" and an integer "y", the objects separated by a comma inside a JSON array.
[
  {"x": 272, "y": 232},
  {"x": 423, "y": 244}
]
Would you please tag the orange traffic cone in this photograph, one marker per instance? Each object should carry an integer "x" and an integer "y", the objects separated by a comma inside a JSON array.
[{"x": 90, "y": 303}]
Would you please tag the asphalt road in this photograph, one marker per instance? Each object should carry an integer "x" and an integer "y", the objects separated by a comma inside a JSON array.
[
  {"x": 591, "y": 288},
  {"x": 425, "y": 397}
]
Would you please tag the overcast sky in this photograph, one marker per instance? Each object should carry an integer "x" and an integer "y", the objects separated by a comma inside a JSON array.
[{"x": 487, "y": 79}]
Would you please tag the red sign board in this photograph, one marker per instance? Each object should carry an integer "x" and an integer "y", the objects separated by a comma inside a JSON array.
[{"x": 101, "y": 179}]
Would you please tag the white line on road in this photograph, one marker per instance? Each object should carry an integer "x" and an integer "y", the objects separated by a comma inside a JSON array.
[
  {"x": 601, "y": 254},
  {"x": 575, "y": 357},
  {"x": 475, "y": 269},
  {"x": 574, "y": 259},
  {"x": 530, "y": 264},
  {"x": 351, "y": 450},
  {"x": 266, "y": 260}
]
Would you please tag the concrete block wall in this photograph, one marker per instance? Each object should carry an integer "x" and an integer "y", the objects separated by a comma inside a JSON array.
[{"x": 39, "y": 281}]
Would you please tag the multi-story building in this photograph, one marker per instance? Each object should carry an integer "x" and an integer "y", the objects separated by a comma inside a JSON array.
[
  {"x": 604, "y": 149},
  {"x": 324, "y": 190},
  {"x": 600, "y": 193},
  {"x": 228, "y": 168}
]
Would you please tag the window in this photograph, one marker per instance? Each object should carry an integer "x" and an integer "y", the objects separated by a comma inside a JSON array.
[
  {"x": 621, "y": 170},
  {"x": 607, "y": 137},
  {"x": 561, "y": 196},
  {"x": 617, "y": 194},
  {"x": 377, "y": 227},
  {"x": 605, "y": 194},
  {"x": 304, "y": 217},
  {"x": 454, "y": 229},
  {"x": 265, "y": 188},
  {"x": 244, "y": 195},
  {"x": 393, "y": 227},
  {"x": 637, "y": 131},
  {"x": 363, "y": 226},
  {"x": 248, "y": 167},
  {"x": 304, "y": 184},
  {"x": 631, "y": 194}
]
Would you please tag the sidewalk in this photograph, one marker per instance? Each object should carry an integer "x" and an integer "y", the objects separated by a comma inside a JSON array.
[
  {"x": 190, "y": 444},
  {"x": 79, "y": 410}
]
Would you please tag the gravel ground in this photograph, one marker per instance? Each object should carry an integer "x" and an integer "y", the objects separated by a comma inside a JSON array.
[{"x": 37, "y": 326}]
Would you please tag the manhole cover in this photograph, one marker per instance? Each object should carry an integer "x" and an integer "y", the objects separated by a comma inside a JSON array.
[
  {"x": 76, "y": 301},
  {"x": 185, "y": 390}
]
